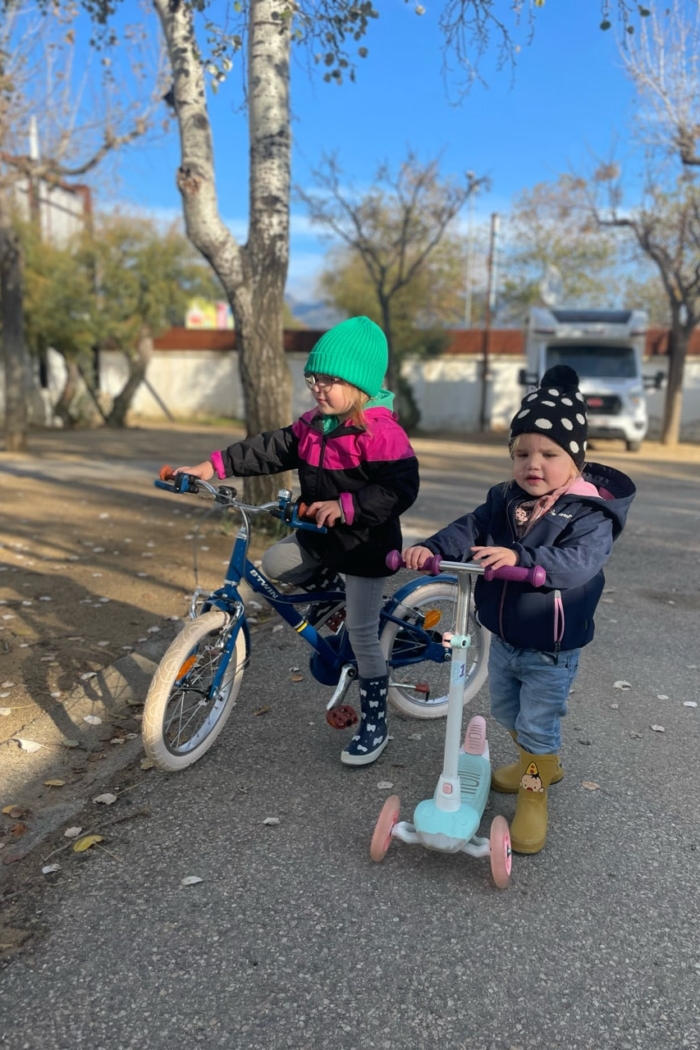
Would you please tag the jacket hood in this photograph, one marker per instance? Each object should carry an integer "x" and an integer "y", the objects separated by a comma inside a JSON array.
[
  {"x": 615, "y": 492},
  {"x": 384, "y": 399}
]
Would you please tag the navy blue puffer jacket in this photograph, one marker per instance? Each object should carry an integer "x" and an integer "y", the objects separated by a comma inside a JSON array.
[{"x": 572, "y": 543}]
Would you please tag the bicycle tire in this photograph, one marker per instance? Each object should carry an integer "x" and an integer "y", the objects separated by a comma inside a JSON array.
[
  {"x": 181, "y": 689},
  {"x": 437, "y": 597}
]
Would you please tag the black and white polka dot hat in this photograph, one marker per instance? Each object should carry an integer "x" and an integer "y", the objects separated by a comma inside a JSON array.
[{"x": 558, "y": 410}]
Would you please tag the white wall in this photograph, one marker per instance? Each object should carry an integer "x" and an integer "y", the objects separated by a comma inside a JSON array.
[
  {"x": 690, "y": 416},
  {"x": 192, "y": 383},
  {"x": 448, "y": 391},
  {"x": 198, "y": 384}
]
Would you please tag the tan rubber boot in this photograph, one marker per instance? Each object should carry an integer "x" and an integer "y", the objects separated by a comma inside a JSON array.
[
  {"x": 506, "y": 779},
  {"x": 528, "y": 832}
]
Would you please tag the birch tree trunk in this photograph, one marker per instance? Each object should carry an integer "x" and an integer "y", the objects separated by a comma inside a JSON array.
[
  {"x": 253, "y": 275},
  {"x": 13, "y": 347}
]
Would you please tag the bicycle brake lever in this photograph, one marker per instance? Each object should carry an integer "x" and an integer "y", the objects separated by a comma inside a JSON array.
[
  {"x": 225, "y": 493},
  {"x": 186, "y": 483}
]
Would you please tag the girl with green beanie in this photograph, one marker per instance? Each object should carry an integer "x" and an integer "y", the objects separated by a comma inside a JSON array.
[{"x": 358, "y": 474}]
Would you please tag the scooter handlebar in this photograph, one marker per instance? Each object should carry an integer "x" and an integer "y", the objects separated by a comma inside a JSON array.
[{"x": 534, "y": 576}]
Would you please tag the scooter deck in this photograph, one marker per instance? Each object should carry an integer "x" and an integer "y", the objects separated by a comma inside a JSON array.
[{"x": 444, "y": 830}]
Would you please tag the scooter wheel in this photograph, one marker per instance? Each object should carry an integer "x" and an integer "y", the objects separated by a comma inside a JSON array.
[
  {"x": 381, "y": 840},
  {"x": 342, "y": 717},
  {"x": 501, "y": 852}
]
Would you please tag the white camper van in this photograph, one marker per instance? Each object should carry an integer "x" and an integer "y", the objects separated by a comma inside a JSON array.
[{"x": 605, "y": 348}]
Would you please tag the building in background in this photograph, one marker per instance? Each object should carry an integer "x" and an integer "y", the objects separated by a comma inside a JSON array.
[
  {"x": 61, "y": 209},
  {"x": 202, "y": 313}
]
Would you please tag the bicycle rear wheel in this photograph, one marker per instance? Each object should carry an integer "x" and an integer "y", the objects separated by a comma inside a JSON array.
[
  {"x": 193, "y": 691},
  {"x": 420, "y": 688}
]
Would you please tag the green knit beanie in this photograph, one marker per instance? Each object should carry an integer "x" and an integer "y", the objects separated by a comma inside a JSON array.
[{"x": 356, "y": 351}]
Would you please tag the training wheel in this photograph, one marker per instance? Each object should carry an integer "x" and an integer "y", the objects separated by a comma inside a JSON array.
[
  {"x": 381, "y": 840},
  {"x": 342, "y": 717},
  {"x": 501, "y": 852}
]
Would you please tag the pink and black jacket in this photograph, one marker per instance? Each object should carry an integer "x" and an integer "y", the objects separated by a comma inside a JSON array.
[{"x": 373, "y": 473}]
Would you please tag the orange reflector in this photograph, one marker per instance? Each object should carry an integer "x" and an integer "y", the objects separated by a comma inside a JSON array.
[
  {"x": 187, "y": 666},
  {"x": 432, "y": 618}
]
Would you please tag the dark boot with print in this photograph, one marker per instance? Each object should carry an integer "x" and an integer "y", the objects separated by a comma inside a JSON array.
[
  {"x": 371, "y": 737},
  {"x": 323, "y": 580}
]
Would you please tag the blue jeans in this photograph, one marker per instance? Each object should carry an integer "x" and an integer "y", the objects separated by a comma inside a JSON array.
[{"x": 529, "y": 690}]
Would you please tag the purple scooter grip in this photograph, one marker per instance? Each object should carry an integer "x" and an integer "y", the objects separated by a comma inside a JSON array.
[
  {"x": 394, "y": 561},
  {"x": 534, "y": 576}
]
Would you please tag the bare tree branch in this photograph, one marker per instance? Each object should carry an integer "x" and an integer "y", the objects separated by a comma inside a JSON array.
[
  {"x": 662, "y": 62},
  {"x": 394, "y": 227}
]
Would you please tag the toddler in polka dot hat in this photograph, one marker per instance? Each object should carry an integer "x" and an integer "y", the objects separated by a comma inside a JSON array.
[
  {"x": 557, "y": 410},
  {"x": 560, "y": 512}
]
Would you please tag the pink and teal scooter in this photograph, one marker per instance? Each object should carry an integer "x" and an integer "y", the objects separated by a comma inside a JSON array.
[{"x": 449, "y": 821}]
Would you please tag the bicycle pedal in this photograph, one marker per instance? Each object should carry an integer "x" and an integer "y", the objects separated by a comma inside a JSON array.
[
  {"x": 342, "y": 717},
  {"x": 336, "y": 619}
]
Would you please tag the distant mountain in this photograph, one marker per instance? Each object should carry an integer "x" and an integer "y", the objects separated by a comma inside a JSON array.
[{"x": 314, "y": 315}]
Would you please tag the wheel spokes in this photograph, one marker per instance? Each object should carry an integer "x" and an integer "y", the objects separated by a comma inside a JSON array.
[{"x": 193, "y": 707}]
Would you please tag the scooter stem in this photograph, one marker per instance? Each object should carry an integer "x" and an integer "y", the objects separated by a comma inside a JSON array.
[{"x": 448, "y": 796}]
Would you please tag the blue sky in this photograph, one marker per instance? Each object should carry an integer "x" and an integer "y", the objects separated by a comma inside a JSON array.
[{"x": 567, "y": 96}]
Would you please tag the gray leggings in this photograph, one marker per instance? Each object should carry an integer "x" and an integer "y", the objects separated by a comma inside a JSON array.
[{"x": 288, "y": 562}]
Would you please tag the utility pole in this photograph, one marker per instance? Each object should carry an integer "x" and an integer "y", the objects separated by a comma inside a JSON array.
[
  {"x": 489, "y": 310},
  {"x": 469, "y": 259},
  {"x": 33, "y": 184}
]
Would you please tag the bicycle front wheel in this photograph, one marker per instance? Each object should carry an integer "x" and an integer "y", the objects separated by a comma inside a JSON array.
[
  {"x": 193, "y": 691},
  {"x": 419, "y": 686}
]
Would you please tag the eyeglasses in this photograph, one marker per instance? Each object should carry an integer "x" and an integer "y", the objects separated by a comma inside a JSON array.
[{"x": 321, "y": 382}]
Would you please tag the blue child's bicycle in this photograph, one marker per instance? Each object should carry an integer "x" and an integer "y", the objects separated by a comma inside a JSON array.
[{"x": 198, "y": 680}]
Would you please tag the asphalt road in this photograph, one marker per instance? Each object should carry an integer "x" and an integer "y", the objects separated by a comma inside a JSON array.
[{"x": 294, "y": 938}]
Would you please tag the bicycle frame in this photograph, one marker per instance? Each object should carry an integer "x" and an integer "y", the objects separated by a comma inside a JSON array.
[
  {"x": 197, "y": 682},
  {"x": 335, "y": 658},
  {"x": 336, "y": 664}
]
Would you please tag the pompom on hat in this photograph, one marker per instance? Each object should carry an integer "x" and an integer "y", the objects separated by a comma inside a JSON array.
[
  {"x": 356, "y": 351},
  {"x": 556, "y": 409}
]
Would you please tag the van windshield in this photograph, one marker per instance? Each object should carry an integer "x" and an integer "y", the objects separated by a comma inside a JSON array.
[{"x": 596, "y": 362}]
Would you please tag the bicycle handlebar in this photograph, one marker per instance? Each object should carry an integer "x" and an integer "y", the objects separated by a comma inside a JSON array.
[
  {"x": 291, "y": 514},
  {"x": 534, "y": 576}
]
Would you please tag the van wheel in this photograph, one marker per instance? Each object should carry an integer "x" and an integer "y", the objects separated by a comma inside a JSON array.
[{"x": 634, "y": 446}]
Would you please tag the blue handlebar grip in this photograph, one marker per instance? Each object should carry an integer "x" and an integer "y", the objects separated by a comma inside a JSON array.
[
  {"x": 180, "y": 483},
  {"x": 299, "y": 523}
]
